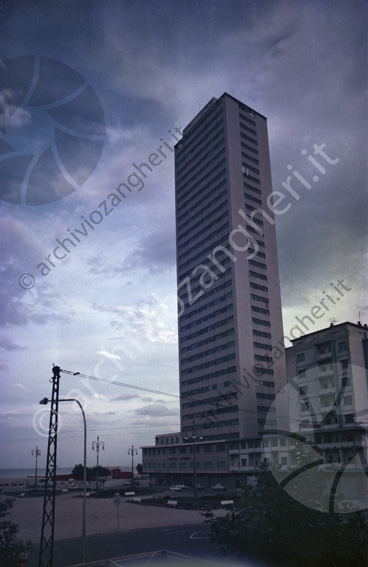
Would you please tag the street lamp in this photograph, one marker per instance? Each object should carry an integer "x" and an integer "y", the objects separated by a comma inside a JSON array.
[
  {"x": 132, "y": 451},
  {"x": 193, "y": 438},
  {"x": 44, "y": 402},
  {"x": 36, "y": 452},
  {"x": 97, "y": 444}
]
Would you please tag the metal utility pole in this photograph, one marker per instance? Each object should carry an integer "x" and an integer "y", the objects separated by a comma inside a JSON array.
[
  {"x": 97, "y": 445},
  {"x": 132, "y": 451},
  {"x": 44, "y": 402},
  {"x": 48, "y": 514},
  {"x": 193, "y": 438},
  {"x": 36, "y": 452},
  {"x": 117, "y": 504}
]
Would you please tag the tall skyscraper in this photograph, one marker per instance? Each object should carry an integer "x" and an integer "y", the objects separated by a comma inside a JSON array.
[{"x": 227, "y": 269}]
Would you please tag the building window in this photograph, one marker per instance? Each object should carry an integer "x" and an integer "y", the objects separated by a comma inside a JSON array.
[
  {"x": 221, "y": 465},
  {"x": 345, "y": 382},
  {"x": 300, "y": 357},
  {"x": 220, "y": 447},
  {"x": 208, "y": 465},
  {"x": 182, "y": 450},
  {"x": 208, "y": 448},
  {"x": 244, "y": 462},
  {"x": 344, "y": 364},
  {"x": 172, "y": 465},
  {"x": 349, "y": 418},
  {"x": 342, "y": 346},
  {"x": 183, "y": 466},
  {"x": 348, "y": 400},
  {"x": 283, "y": 461}
]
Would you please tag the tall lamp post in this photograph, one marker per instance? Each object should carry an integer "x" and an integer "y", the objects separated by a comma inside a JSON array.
[
  {"x": 36, "y": 452},
  {"x": 45, "y": 402},
  {"x": 132, "y": 451},
  {"x": 97, "y": 445},
  {"x": 191, "y": 435}
]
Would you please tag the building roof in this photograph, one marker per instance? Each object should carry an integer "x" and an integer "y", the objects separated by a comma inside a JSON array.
[
  {"x": 209, "y": 105},
  {"x": 358, "y": 325}
]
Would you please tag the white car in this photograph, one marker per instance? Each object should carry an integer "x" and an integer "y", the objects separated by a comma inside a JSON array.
[
  {"x": 218, "y": 487},
  {"x": 176, "y": 487}
]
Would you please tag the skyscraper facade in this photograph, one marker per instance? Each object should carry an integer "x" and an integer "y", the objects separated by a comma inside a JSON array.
[{"x": 227, "y": 270}]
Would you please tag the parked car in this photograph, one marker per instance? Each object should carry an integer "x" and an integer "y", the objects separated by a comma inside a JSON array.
[
  {"x": 218, "y": 487},
  {"x": 176, "y": 487},
  {"x": 200, "y": 487}
]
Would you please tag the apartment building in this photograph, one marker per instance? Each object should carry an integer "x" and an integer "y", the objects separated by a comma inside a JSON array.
[
  {"x": 227, "y": 271},
  {"x": 327, "y": 374},
  {"x": 228, "y": 282}
]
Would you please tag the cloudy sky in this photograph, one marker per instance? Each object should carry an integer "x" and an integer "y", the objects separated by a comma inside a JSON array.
[{"x": 90, "y": 88}]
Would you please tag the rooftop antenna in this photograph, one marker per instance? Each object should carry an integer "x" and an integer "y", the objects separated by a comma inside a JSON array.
[{"x": 333, "y": 321}]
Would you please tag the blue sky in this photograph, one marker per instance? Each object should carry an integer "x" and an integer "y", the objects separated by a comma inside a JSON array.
[{"x": 127, "y": 73}]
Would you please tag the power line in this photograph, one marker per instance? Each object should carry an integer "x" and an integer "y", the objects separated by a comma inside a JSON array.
[{"x": 115, "y": 383}]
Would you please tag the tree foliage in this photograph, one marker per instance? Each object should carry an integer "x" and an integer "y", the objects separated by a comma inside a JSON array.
[
  {"x": 139, "y": 468},
  {"x": 11, "y": 548},
  {"x": 77, "y": 472},
  {"x": 270, "y": 525}
]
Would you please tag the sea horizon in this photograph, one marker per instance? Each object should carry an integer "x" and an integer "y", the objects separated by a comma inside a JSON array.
[{"x": 41, "y": 471}]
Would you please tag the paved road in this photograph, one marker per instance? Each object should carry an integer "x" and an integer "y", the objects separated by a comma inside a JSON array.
[{"x": 189, "y": 539}]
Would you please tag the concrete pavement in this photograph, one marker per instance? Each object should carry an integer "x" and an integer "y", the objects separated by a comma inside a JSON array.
[{"x": 101, "y": 516}]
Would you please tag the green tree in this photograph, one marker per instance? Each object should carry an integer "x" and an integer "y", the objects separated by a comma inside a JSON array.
[
  {"x": 77, "y": 472},
  {"x": 270, "y": 525},
  {"x": 102, "y": 471},
  {"x": 139, "y": 468},
  {"x": 11, "y": 548},
  {"x": 91, "y": 473}
]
